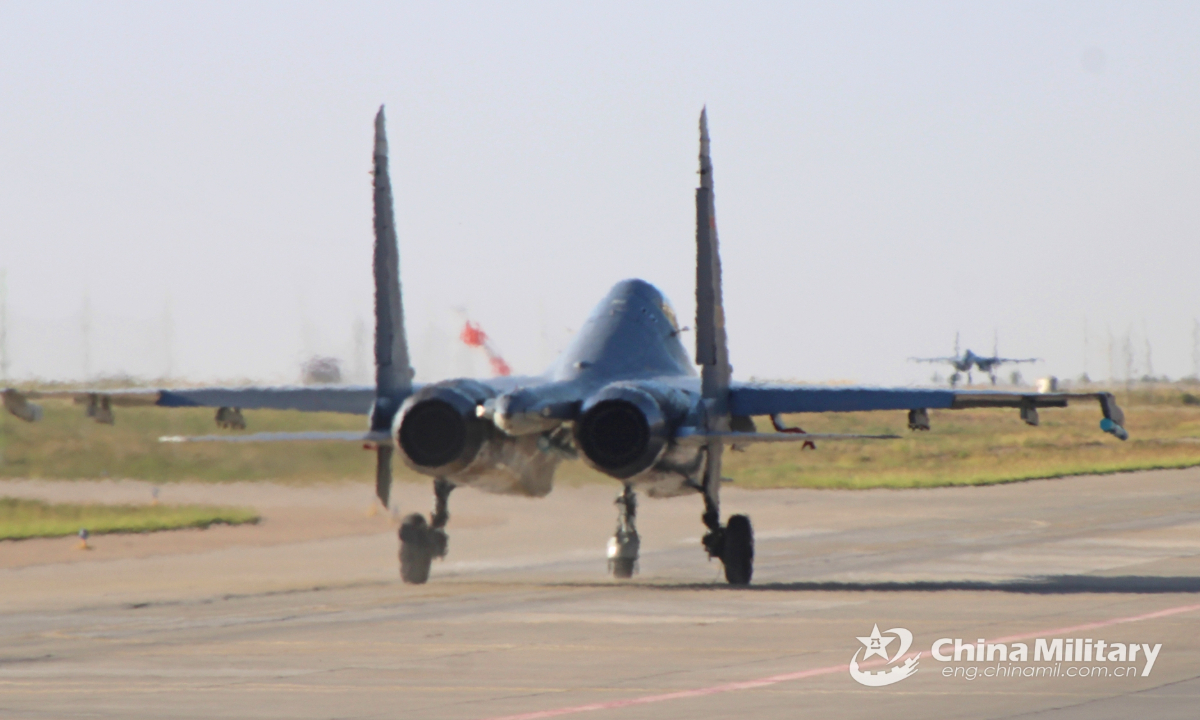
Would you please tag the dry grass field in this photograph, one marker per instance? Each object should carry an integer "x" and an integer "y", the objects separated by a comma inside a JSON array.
[
  {"x": 974, "y": 447},
  {"x": 964, "y": 447}
]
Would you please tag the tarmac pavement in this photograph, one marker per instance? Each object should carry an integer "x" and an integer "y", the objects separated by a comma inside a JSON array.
[{"x": 303, "y": 616}]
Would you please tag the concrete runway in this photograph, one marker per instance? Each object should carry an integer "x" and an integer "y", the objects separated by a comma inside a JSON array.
[{"x": 304, "y": 616}]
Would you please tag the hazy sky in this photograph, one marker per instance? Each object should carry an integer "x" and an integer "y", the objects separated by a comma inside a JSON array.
[{"x": 886, "y": 174}]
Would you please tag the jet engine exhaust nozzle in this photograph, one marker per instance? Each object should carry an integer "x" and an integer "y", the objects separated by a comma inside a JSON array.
[
  {"x": 622, "y": 431},
  {"x": 439, "y": 429}
]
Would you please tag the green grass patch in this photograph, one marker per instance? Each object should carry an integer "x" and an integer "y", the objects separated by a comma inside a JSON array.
[{"x": 21, "y": 519}]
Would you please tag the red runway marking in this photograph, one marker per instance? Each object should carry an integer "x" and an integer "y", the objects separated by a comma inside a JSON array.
[
  {"x": 1102, "y": 623},
  {"x": 776, "y": 679}
]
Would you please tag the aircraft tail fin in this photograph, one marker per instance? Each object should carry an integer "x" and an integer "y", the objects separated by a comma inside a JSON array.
[
  {"x": 392, "y": 367},
  {"x": 712, "y": 352},
  {"x": 393, "y": 371}
]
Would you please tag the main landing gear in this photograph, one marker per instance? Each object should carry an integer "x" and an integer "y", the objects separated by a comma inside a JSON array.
[
  {"x": 624, "y": 544},
  {"x": 733, "y": 543},
  {"x": 421, "y": 541}
]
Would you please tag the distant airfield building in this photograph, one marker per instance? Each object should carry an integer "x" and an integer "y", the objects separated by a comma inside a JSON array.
[{"x": 321, "y": 371}]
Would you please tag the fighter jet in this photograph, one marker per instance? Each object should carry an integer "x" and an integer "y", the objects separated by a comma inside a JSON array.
[
  {"x": 963, "y": 363},
  {"x": 624, "y": 396}
]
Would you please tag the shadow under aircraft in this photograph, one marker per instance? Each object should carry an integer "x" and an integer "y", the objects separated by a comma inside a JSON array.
[{"x": 624, "y": 396}]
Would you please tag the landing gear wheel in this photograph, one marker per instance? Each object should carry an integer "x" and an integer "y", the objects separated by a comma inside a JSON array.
[
  {"x": 737, "y": 550},
  {"x": 622, "y": 568},
  {"x": 421, "y": 541},
  {"x": 419, "y": 545},
  {"x": 623, "y": 546}
]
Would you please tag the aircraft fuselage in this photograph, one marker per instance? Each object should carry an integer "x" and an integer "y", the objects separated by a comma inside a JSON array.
[{"x": 507, "y": 435}]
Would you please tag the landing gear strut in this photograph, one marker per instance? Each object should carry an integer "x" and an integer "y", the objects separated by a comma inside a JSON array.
[
  {"x": 734, "y": 543},
  {"x": 624, "y": 544},
  {"x": 421, "y": 541}
]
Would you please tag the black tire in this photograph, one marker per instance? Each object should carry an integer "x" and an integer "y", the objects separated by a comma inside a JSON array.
[
  {"x": 737, "y": 553},
  {"x": 622, "y": 568},
  {"x": 416, "y": 553}
]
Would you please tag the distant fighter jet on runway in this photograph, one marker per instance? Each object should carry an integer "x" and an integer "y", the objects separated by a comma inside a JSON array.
[
  {"x": 964, "y": 362},
  {"x": 624, "y": 395}
]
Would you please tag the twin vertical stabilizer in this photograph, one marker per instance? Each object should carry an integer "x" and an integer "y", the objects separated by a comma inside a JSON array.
[
  {"x": 392, "y": 369},
  {"x": 712, "y": 352},
  {"x": 393, "y": 372}
]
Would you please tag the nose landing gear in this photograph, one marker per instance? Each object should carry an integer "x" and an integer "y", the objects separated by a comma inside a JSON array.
[{"x": 623, "y": 546}]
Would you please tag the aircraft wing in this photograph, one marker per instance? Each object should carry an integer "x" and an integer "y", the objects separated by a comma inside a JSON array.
[
  {"x": 353, "y": 399},
  {"x": 764, "y": 399},
  {"x": 314, "y": 435},
  {"x": 934, "y": 360},
  {"x": 700, "y": 437}
]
